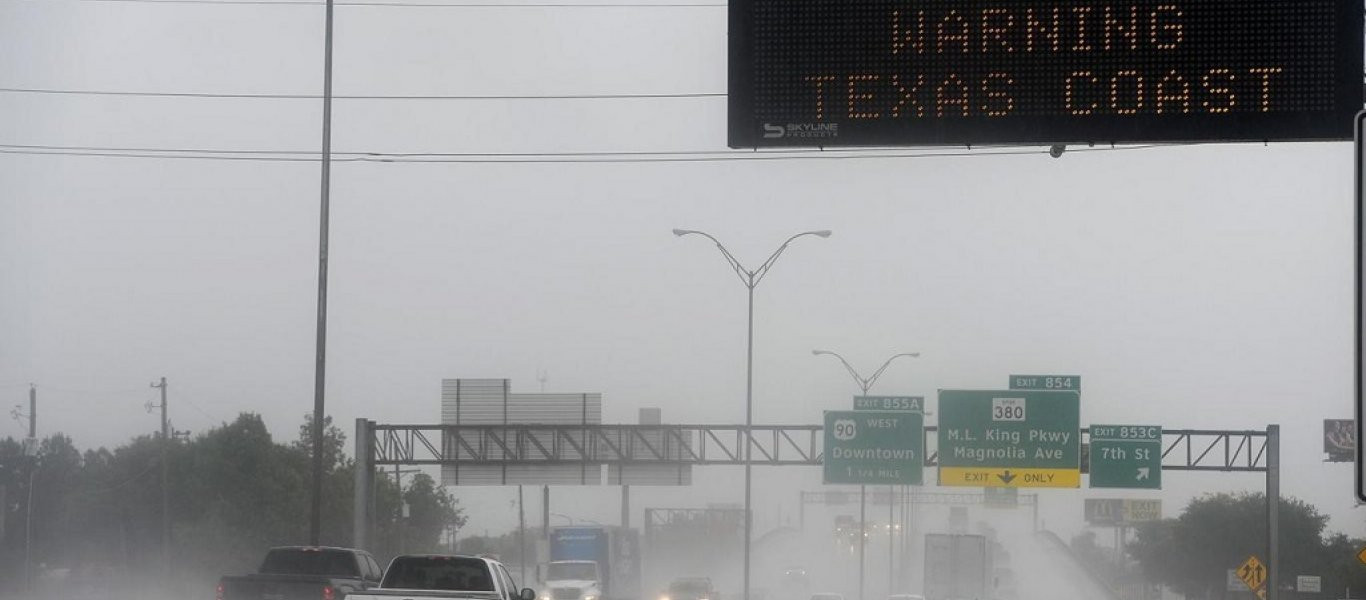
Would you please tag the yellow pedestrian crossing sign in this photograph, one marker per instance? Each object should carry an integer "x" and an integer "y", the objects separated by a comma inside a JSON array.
[{"x": 1253, "y": 573}]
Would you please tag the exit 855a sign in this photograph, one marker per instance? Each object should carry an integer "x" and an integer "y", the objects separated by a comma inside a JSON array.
[{"x": 889, "y": 72}]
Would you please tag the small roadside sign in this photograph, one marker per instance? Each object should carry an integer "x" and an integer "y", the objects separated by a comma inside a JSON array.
[
  {"x": 1232, "y": 583},
  {"x": 1361, "y": 556},
  {"x": 1252, "y": 573},
  {"x": 1312, "y": 584}
]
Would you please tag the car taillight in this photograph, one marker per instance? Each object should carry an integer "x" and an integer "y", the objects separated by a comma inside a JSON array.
[
  {"x": 218, "y": 592},
  {"x": 328, "y": 593}
]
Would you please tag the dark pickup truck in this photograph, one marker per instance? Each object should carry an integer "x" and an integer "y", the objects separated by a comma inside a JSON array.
[{"x": 304, "y": 573}]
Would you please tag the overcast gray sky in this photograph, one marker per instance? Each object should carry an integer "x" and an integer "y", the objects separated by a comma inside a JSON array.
[{"x": 1205, "y": 287}]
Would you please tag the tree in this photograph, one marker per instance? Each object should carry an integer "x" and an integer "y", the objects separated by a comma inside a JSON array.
[
  {"x": 1192, "y": 553},
  {"x": 334, "y": 443},
  {"x": 234, "y": 492}
]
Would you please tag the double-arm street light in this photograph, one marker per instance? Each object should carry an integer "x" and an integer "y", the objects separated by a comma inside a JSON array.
[
  {"x": 865, "y": 384},
  {"x": 751, "y": 279}
]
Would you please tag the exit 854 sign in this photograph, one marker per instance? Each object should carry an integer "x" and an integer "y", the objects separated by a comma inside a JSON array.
[{"x": 888, "y": 72}]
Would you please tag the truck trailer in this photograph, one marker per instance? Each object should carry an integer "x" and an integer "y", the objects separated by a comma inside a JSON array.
[{"x": 593, "y": 563}]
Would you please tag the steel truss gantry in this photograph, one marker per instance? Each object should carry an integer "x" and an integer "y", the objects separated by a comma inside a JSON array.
[{"x": 772, "y": 445}]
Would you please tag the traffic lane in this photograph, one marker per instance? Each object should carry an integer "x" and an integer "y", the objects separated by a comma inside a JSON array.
[{"x": 1044, "y": 571}]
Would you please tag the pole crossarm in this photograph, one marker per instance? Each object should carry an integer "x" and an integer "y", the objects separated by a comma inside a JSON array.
[{"x": 772, "y": 445}]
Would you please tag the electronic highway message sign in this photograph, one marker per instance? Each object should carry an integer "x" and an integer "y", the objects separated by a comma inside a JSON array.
[{"x": 955, "y": 72}]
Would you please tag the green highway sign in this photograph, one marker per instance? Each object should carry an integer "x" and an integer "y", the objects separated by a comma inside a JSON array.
[
  {"x": 874, "y": 448},
  {"x": 890, "y": 403},
  {"x": 1070, "y": 383},
  {"x": 1126, "y": 456},
  {"x": 1117, "y": 511},
  {"x": 1000, "y": 497},
  {"x": 1009, "y": 438}
]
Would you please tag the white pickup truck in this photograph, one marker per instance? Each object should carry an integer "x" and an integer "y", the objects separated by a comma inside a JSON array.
[{"x": 415, "y": 576}]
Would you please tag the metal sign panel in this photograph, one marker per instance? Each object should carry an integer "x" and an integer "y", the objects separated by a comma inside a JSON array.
[
  {"x": 1117, "y": 511},
  {"x": 1142, "y": 511},
  {"x": 1360, "y": 381},
  {"x": 1312, "y": 584},
  {"x": 1253, "y": 573},
  {"x": 887, "y": 72},
  {"x": 864, "y": 447},
  {"x": 1339, "y": 439},
  {"x": 1070, "y": 383},
  {"x": 1232, "y": 583},
  {"x": 1015, "y": 438},
  {"x": 1126, "y": 456},
  {"x": 890, "y": 403},
  {"x": 1000, "y": 497},
  {"x": 1104, "y": 511}
]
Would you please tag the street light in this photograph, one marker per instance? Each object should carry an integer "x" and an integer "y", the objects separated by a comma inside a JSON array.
[
  {"x": 866, "y": 383},
  {"x": 751, "y": 279}
]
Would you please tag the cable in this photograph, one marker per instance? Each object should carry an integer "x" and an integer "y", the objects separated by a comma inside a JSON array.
[
  {"x": 211, "y": 418},
  {"x": 17, "y": 90},
  {"x": 400, "y": 4},
  {"x": 550, "y": 159},
  {"x": 314, "y": 153},
  {"x": 125, "y": 392},
  {"x": 117, "y": 486}
]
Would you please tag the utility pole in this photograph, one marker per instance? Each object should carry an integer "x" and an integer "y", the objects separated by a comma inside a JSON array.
[
  {"x": 30, "y": 451},
  {"x": 521, "y": 532},
  {"x": 32, "y": 411},
  {"x": 1273, "y": 506},
  {"x": 320, "y": 347},
  {"x": 165, "y": 491}
]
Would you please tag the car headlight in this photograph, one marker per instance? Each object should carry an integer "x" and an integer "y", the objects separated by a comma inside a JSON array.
[{"x": 590, "y": 597}]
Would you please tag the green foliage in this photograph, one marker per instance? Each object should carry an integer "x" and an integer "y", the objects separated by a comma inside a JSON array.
[
  {"x": 233, "y": 492},
  {"x": 1192, "y": 553}
]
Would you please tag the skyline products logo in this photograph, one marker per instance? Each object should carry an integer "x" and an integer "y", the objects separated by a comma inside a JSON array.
[{"x": 809, "y": 131}]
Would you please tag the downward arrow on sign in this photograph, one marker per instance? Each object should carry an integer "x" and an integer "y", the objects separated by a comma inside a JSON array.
[
  {"x": 1007, "y": 477},
  {"x": 1143, "y": 473}
]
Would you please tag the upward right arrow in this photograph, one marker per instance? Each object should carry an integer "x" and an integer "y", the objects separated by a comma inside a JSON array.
[{"x": 1143, "y": 473}]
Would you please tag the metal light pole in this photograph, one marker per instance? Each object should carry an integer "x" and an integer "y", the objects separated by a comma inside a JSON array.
[
  {"x": 320, "y": 345},
  {"x": 751, "y": 279},
  {"x": 865, "y": 384}
]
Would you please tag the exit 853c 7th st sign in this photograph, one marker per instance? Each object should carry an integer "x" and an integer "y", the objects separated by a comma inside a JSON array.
[{"x": 897, "y": 72}]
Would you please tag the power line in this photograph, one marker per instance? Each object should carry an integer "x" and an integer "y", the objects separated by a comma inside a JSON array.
[
  {"x": 216, "y": 95},
  {"x": 551, "y": 158},
  {"x": 212, "y": 419},
  {"x": 108, "y": 392},
  {"x": 400, "y": 4},
  {"x": 310, "y": 153}
]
